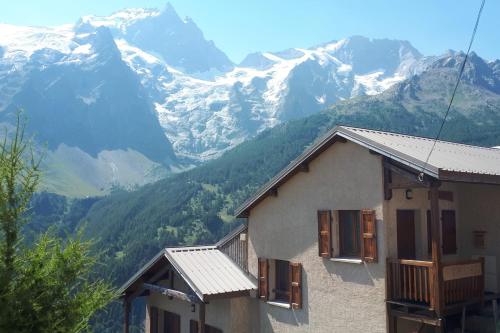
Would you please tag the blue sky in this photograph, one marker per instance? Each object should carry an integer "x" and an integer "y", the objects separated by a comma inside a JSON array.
[{"x": 239, "y": 27}]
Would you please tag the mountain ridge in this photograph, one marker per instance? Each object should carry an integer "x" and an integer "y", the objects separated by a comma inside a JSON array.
[{"x": 188, "y": 115}]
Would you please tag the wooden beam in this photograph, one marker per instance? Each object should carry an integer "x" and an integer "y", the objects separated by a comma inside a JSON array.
[
  {"x": 158, "y": 275},
  {"x": 406, "y": 185},
  {"x": 416, "y": 318},
  {"x": 466, "y": 177},
  {"x": 201, "y": 319},
  {"x": 340, "y": 139},
  {"x": 403, "y": 171},
  {"x": 438, "y": 300},
  {"x": 387, "y": 181},
  {"x": 172, "y": 278},
  {"x": 230, "y": 294},
  {"x": 172, "y": 293},
  {"x": 126, "y": 316}
]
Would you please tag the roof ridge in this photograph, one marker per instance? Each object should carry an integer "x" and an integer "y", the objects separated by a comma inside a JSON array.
[{"x": 417, "y": 137}]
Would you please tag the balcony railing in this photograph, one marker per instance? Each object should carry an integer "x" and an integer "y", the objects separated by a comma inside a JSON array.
[
  {"x": 410, "y": 281},
  {"x": 413, "y": 281}
]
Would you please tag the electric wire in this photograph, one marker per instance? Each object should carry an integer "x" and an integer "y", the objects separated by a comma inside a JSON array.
[{"x": 421, "y": 175}]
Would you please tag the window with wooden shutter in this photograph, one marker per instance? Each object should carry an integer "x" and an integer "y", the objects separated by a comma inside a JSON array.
[
  {"x": 350, "y": 234},
  {"x": 449, "y": 232},
  {"x": 281, "y": 280},
  {"x": 369, "y": 235},
  {"x": 263, "y": 279},
  {"x": 324, "y": 233},
  {"x": 295, "y": 285}
]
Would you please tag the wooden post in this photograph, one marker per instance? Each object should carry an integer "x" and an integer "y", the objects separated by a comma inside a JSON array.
[
  {"x": 438, "y": 301},
  {"x": 201, "y": 321},
  {"x": 126, "y": 315}
]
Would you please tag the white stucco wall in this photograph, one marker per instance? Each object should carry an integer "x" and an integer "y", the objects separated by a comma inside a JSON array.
[
  {"x": 337, "y": 297},
  {"x": 480, "y": 211},
  {"x": 229, "y": 315}
]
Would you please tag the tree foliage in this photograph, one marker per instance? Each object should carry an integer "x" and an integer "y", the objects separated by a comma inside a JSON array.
[{"x": 46, "y": 286}]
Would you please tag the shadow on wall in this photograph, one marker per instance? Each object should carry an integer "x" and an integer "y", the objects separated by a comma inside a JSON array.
[
  {"x": 364, "y": 274},
  {"x": 293, "y": 317}
]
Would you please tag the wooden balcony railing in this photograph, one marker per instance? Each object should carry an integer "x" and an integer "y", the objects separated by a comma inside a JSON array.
[
  {"x": 412, "y": 281},
  {"x": 463, "y": 281}
]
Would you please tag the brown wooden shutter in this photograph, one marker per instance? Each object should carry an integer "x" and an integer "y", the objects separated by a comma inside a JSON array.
[
  {"x": 295, "y": 272},
  {"x": 324, "y": 233},
  {"x": 369, "y": 235},
  {"x": 449, "y": 232},
  {"x": 153, "y": 320},
  {"x": 429, "y": 233},
  {"x": 263, "y": 279},
  {"x": 193, "y": 326}
]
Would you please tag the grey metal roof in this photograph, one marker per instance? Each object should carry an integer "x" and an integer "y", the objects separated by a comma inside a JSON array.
[
  {"x": 447, "y": 156},
  {"x": 208, "y": 271},
  {"x": 449, "y": 161}
]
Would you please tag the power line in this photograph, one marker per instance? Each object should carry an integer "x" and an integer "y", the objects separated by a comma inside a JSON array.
[{"x": 421, "y": 175}]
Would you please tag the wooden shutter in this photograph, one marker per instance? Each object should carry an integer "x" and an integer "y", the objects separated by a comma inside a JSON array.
[
  {"x": 263, "y": 279},
  {"x": 153, "y": 320},
  {"x": 295, "y": 272},
  {"x": 369, "y": 235},
  {"x": 429, "y": 233},
  {"x": 193, "y": 326},
  {"x": 324, "y": 233},
  {"x": 449, "y": 232}
]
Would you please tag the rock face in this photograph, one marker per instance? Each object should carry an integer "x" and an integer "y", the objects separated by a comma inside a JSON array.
[{"x": 147, "y": 81}]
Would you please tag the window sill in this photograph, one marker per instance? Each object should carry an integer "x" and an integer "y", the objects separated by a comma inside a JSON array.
[
  {"x": 348, "y": 260},
  {"x": 279, "y": 304}
]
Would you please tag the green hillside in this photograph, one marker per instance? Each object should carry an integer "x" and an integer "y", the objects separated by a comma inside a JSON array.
[{"x": 196, "y": 207}]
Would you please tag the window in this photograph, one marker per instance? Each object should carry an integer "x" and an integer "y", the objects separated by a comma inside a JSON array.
[
  {"x": 171, "y": 322},
  {"x": 349, "y": 230},
  {"x": 282, "y": 285},
  {"x": 449, "y": 232},
  {"x": 280, "y": 281},
  {"x": 349, "y": 234}
]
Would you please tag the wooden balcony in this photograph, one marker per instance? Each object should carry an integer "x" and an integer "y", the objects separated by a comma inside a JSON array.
[{"x": 412, "y": 282}]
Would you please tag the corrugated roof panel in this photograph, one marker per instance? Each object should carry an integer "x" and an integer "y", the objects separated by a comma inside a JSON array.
[
  {"x": 445, "y": 156},
  {"x": 209, "y": 271}
]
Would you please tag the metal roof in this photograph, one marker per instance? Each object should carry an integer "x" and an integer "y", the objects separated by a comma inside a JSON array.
[
  {"x": 449, "y": 161},
  {"x": 447, "y": 156},
  {"x": 208, "y": 271}
]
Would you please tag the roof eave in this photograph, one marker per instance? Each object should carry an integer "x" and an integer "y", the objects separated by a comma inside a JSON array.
[
  {"x": 468, "y": 177},
  {"x": 140, "y": 272},
  {"x": 329, "y": 139}
]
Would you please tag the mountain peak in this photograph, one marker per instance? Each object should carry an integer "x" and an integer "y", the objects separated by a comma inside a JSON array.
[{"x": 169, "y": 13}]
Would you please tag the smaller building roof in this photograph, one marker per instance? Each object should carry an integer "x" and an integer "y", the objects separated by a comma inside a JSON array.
[{"x": 208, "y": 271}]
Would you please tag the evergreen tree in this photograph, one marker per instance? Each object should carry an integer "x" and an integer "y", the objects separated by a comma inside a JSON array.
[{"x": 46, "y": 286}]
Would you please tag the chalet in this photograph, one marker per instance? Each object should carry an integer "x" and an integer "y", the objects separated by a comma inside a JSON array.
[{"x": 358, "y": 234}]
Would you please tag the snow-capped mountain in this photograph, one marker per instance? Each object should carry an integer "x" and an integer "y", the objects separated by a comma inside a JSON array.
[
  {"x": 149, "y": 81},
  {"x": 180, "y": 43}
]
